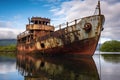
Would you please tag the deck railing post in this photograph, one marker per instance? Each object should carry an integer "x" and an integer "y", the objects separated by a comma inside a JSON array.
[
  {"x": 75, "y": 22},
  {"x": 67, "y": 27}
]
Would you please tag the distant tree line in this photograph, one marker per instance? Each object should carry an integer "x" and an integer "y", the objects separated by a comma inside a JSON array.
[
  {"x": 5, "y": 42},
  {"x": 110, "y": 46}
]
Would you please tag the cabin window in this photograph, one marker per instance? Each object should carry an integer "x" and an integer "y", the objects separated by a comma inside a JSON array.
[
  {"x": 39, "y": 22},
  {"x": 36, "y": 22}
]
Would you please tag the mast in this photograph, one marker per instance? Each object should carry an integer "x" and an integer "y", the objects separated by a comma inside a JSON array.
[{"x": 99, "y": 7}]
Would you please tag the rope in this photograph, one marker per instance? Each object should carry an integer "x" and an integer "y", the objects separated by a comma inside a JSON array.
[{"x": 100, "y": 60}]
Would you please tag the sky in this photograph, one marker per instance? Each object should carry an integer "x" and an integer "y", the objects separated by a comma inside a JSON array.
[{"x": 14, "y": 14}]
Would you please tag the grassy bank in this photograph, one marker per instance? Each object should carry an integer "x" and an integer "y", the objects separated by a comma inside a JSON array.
[
  {"x": 8, "y": 48},
  {"x": 8, "y": 51},
  {"x": 11, "y": 54}
]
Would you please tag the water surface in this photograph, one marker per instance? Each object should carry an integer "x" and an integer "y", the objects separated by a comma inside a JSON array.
[
  {"x": 108, "y": 66},
  {"x": 8, "y": 69},
  {"x": 99, "y": 67}
]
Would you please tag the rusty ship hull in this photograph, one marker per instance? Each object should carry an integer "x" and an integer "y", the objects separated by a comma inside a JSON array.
[
  {"x": 85, "y": 47},
  {"x": 79, "y": 37}
]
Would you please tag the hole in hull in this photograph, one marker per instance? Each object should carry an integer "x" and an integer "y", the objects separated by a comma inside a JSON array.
[{"x": 42, "y": 45}]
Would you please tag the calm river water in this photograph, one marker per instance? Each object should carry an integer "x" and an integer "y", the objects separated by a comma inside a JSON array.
[{"x": 99, "y": 67}]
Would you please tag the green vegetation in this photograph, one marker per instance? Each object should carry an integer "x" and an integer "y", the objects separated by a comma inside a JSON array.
[
  {"x": 115, "y": 58},
  {"x": 8, "y": 48},
  {"x": 8, "y": 51},
  {"x": 110, "y": 46},
  {"x": 6, "y": 54}
]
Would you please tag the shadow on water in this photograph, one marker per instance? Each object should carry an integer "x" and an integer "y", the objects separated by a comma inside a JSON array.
[
  {"x": 113, "y": 58},
  {"x": 34, "y": 68}
]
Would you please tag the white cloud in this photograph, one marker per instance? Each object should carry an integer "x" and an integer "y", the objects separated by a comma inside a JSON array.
[
  {"x": 11, "y": 28},
  {"x": 5, "y": 24},
  {"x": 113, "y": 1},
  {"x": 7, "y": 33},
  {"x": 4, "y": 68},
  {"x": 112, "y": 29},
  {"x": 102, "y": 40},
  {"x": 73, "y": 9}
]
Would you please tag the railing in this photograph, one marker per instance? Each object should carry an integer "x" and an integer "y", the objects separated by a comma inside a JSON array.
[
  {"x": 63, "y": 25},
  {"x": 25, "y": 33}
]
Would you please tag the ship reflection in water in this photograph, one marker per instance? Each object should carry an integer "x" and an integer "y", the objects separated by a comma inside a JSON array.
[{"x": 39, "y": 68}]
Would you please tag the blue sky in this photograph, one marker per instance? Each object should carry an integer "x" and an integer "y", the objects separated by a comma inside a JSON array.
[
  {"x": 20, "y": 10},
  {"x": 26, "y": 8},
  {"x": 14, "y": 14}
]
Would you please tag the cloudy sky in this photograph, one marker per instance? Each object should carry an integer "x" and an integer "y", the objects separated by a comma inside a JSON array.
[{"x": 14, "y": 14}]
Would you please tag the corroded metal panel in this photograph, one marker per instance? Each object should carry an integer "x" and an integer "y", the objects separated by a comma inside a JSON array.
[{"x": 39, "y": 27}]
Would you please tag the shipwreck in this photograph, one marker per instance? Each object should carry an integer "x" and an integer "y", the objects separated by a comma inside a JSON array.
[{"x": 78, "y": 37}]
